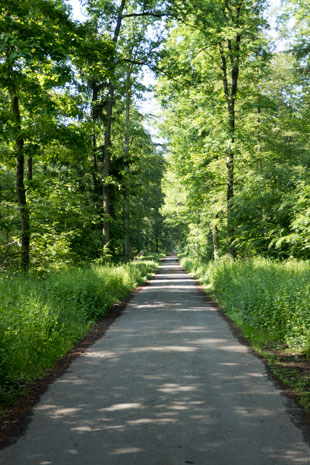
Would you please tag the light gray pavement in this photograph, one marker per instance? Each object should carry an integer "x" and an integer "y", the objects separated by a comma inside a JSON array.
[{"x": 168, "y": 384}]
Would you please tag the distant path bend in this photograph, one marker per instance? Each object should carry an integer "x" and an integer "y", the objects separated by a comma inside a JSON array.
[{"x": 168, "y": 384}]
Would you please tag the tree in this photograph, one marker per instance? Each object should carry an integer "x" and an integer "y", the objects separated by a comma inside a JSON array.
[
  {"x": 116, "y": 21},
  {"x": 34, "y": 54},
  {"x": 64, "y": 101},
  {"x": 215, "y": 50}
]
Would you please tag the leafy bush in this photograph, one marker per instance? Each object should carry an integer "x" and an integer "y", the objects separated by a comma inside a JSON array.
[
  {"x": 41, "y": 318},
  {"x": 269, "y": 300}
]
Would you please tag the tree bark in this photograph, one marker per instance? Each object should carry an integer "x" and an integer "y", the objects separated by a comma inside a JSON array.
[
  {"x": 260, "y": 160},
  {"x": 106, "y": 167},
  {"x": 126, "y": 227},
  {"x": 215, "y": 240},
  {"x": 156, "y": 241},
  {"x": 230, "y": 91},
  {"x": 97, "y": 188},
  {"x": 107, "y": 141},
  {"x": 20, "y": 186},
  {"x": 230, "y": 102},
  {"x": 29, "y": 168},
  {"x": 126, "y": 193},
  {"x": 229, "y": 200}
]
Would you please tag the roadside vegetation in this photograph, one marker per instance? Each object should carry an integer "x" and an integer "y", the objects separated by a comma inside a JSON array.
[
  {"x": 82, "y": 178},
  {"x": 41, "y": 318},
  {"x": 270, "y": 302}
]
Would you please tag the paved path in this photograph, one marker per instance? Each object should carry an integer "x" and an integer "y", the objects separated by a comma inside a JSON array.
[{"x": 168, "y": 384}]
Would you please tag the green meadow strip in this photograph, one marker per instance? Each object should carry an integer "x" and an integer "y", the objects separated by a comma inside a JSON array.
[
  {"x": 42, "y": 318},
  {"x": 270, "y": 302}
]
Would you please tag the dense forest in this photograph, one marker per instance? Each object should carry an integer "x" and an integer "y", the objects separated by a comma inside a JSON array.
[
  {"x": 85, "y": 187},
  {"x": 236, "y": 118},
  {"x": 81, "y": 178},
  {"x": 80, "y": 175}
]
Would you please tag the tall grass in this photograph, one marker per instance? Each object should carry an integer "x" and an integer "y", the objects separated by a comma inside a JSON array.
[
  {"x": 42, "y": 318},
  {"x": 269, "y": 300}
]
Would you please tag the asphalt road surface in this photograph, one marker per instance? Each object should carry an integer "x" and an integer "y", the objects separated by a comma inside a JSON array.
[{"x": 168, "y": 384}]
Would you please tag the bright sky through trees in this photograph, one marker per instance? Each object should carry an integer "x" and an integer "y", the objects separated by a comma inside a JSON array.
[
  {"x": 148, "y": 105},
  {"x": 77, "y": 10}
]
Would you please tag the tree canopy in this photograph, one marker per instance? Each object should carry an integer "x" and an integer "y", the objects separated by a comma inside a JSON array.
[{"x": 82, "y": 180}]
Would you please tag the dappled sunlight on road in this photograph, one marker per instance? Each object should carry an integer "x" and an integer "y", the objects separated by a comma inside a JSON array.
[
  {"x": 126, "y": 450},
  {"x": 172, "y": 402},
  {"x": 170, "y": 281},
  {"x": 165, "y": 349},
  {"x": 116, "y": 407},
  {"x": 167, "y": 385},
  {"x": 172, "y": 287}
]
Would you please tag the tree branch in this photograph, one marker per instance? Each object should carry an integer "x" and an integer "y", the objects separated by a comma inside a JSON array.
[
  {"x": 156, "y": 14},
  {"x": 133, "y": 62},
  {"x": 224, "y": 70},
  {"x": 119, "y": 21}
]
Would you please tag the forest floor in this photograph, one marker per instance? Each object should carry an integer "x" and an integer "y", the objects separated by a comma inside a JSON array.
[{"x": 171, "y": 381}]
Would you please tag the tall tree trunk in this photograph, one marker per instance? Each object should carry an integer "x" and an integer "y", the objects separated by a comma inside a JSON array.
[
  {"x": 230, "y": 182},
  {"x": 156, "y": 241},
  {"x": 97, "y": 188},
  {"x": 126, "y": 207},
  {"x": 230, "y": 91},
  {"x": 231, "y": 55},
  {"x": 107, "y": 140},
  {"x": 215, "y": 242},
  {"x": 29, "y": 168},
  {"x": 259, "y": 150},
  {"x": 215, "y": 239},
  {"x": 20, "y": 186},
  {"x": 126, "y": 193},
  {"x": 106, "y": 167}
]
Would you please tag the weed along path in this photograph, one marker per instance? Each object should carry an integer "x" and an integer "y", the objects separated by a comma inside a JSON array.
[{"x": 168, "y": 384}]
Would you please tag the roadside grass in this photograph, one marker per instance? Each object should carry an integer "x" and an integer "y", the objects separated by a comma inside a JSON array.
[
  {"x": 270, "y": 302},
  {"x": 42, "y": 318}
]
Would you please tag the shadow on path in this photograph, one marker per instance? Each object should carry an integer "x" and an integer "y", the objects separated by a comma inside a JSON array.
[{"x": 167, "y": 384}]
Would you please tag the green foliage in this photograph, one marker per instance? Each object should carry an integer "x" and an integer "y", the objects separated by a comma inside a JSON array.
[
  {"x": 269, "y": 300},
  {"x": 268, "y": 211},
  {"x": 59, "y": 72},
  {"x": 41, "y": 318},
  {"x": 213, "y": 66}
]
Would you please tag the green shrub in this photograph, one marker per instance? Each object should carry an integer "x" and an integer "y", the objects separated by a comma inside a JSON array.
[
  {"x": 269, "y": 300},
  {"x": 41, "y": 318}
]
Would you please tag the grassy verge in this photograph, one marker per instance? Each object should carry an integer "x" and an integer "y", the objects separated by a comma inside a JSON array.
[
  {"x": 270, "y": 302},
  {"x": 41, "y": 319}
]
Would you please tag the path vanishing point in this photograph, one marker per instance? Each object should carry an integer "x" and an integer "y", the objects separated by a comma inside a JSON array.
[{"x": 168, "y": 384}]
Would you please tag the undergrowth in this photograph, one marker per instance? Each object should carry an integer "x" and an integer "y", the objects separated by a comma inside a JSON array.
[
  {"x": 41, "y": 318},
  {"x": 270, "y": 302}
]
